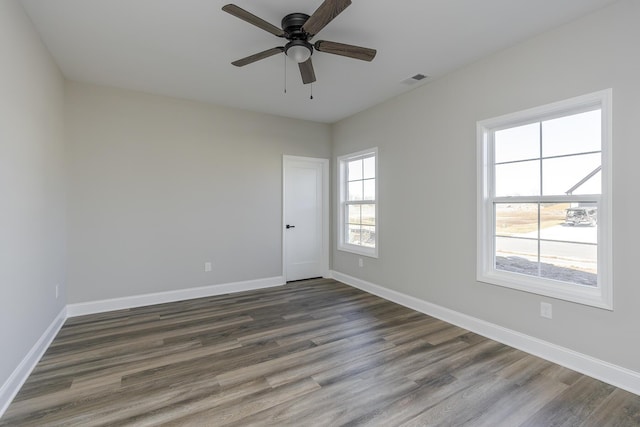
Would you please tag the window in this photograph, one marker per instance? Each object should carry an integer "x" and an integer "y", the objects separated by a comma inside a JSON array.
[
  {"x": 544, "y": 207},
  {"x": 358, "y": 213}
]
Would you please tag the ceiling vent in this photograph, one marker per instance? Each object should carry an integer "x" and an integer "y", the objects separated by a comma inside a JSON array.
[{"x": 415, "y": 79}]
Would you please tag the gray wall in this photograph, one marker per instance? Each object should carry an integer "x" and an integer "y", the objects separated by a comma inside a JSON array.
[
  {"x": 427, "y": 161},
  {"x": 159, "y": 186},
  {"x": 32, "y": 188}
]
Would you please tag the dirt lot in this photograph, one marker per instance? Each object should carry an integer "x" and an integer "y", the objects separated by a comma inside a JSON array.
[
  {"x": 519, "y": 218},
  {"x": 550, "y": 271}
]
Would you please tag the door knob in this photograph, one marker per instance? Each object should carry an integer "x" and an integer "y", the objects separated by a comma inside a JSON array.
[{"x": 290, "y": 226}]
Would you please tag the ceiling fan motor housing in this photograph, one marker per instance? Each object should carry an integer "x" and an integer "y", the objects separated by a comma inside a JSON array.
[{"x": 292, "y": 26}]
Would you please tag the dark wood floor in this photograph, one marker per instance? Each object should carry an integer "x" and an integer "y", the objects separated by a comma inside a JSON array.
[{"x": 309, "y": 353}]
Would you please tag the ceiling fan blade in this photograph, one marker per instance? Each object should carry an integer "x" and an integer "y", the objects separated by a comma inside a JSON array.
[
  {"x": 348, "y": 50},
  {"x": 258, "y": 56},
  {"x": 327, "y": 11},
  {"x": 238, "y": 12},
  {"x": 306, "y": 71}
]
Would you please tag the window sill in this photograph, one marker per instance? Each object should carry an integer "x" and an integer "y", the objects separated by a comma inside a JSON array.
[
  {"x": 581, "y": 294},
  {"x": 359, "y": 250}
]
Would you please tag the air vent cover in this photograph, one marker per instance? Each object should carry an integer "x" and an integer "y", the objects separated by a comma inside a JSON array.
[{"x": 415, "y": 79}]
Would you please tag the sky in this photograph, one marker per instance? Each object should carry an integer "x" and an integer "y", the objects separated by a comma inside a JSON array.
[{"x": 574, "y": 137}]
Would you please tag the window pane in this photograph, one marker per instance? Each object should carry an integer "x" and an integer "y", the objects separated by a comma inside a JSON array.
[
  {"x": 353, "y": 214},
  {"x": 368, "y": 236},
  {"x": 369, "y": 214},
  {"x": 518, "y": 179},
  {"x": 517, "y": 219},
  {"x": 369, "y": 167},
  {"x": 518, "y": 143},
  {"x": 592, "y": 186},
  {"x": 517, "y": 255},
  {"x": 552, "y": 217},
  {"x": 569, "y": 262},
  {"x": 353, "y": 234},
  {"x": 355, "y": 190},
  {"x": 370, "y": 189},
  {"x": 358, "y": 222},
  {"x": 578, "y": 133},
  {"x": 561, "y": 175},
  {"x": 578, "y": 225},
  {"x": 355, "y": 170}
]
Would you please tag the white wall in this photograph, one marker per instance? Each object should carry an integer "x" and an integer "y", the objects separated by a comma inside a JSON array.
[
  {"x": 159, "y": 186},
  {"x": 32, "y": 188},
  {"x": 427, "y": 178}
]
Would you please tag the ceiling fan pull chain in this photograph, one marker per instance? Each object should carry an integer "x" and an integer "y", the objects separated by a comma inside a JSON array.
[
  {"x": 311, "y": 97},
  {"x": 285, "y": 73}
]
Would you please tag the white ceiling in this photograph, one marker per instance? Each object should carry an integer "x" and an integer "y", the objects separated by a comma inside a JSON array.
[{"x": 183, "y": 48}]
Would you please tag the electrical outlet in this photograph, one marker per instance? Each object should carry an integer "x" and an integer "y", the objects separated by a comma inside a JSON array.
[
  {"x": 57, "y": 291},
  {"x": 546, "y": 310},
  {"x": 360, "y": 262},
  {"x": 207, "y": 266}
]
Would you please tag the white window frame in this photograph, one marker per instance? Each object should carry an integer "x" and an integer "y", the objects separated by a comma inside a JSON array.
[
  {"x": 599, "y": 296},
  {"x": 342, "y": 203}
]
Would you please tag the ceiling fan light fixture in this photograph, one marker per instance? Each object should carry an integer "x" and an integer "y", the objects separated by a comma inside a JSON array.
[{"x": 298, "y": 50}]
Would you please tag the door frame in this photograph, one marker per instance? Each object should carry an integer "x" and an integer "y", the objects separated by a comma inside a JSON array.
[{"x": 325, "y": 211}]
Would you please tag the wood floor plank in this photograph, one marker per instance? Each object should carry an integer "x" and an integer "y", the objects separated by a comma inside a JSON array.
[
  {"x": 463, "y": 406},
  {"x": 356, "y": 396},
  {"x": 619, "y": 409},
  {"x": 528, "y": 396},
  {"x": 249, "y": 405},
  {"x": 576, "y": 404},
  {"x": 311, "y": 353}
]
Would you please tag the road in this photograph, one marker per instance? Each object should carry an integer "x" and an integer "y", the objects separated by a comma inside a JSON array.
[{"x": 581, "y": 254}]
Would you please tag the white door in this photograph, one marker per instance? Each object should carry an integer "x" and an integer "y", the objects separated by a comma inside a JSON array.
[{"x": 305, "y": 227}]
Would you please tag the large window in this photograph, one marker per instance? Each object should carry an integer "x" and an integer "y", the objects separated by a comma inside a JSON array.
[
  {"x": 358, "y": 211},
  {"x": 544, "y": 208}
]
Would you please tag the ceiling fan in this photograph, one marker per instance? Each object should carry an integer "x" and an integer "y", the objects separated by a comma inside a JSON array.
[{"x": 299, "y": 29}]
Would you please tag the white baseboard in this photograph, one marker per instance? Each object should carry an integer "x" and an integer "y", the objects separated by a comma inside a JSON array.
[
  {"x": 19, "y": 375},
  {"x": 604, "y": 371},
  {"x": 101, "y": 306}
]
